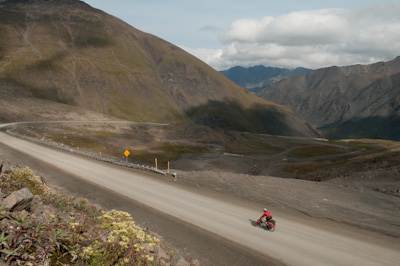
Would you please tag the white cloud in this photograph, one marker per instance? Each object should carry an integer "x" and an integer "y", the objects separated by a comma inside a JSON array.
[
  {"x": 315, "y": 38},
  {"x": 212, "y": 57},
  {"x": 297, "y": 28}
]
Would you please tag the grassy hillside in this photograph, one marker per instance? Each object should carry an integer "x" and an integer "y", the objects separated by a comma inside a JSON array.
[{"x": 67, "y": 52}]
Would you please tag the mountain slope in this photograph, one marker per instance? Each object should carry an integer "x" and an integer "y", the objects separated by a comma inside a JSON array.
[
  {"x": 65, "y": 51},
  {"x": 258, "y": 77},
  {"x": 345, "y": 102}
]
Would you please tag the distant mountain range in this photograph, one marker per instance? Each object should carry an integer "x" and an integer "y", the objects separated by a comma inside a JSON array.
[
  {"x": 258, "y": 77},
  {"x": 359, "y": 101},
  {"x": 68, "y": 53}
]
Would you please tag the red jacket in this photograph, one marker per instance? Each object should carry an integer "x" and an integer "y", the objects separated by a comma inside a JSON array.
[{"x": 266, "y": 213}]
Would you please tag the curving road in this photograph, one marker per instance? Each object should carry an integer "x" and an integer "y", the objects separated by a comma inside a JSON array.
[{"x": 293, "y": 243}]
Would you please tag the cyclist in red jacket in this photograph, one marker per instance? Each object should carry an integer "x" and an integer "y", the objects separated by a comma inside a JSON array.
[{"x": 266, "y": 215}]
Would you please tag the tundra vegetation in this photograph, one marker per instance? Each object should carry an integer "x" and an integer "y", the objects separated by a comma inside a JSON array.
[
  {"x": 59, "y": 230},
  {"x": 287, "y": 157}
]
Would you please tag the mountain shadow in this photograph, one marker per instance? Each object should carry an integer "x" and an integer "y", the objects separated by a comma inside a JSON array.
[
  {"x": 374, "y": 127},
  {"x": 229, "y": 115}
]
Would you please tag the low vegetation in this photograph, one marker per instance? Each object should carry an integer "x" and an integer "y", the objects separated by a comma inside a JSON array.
[
  {"x": 260, "y": 154},
  {"x": 314, "y": 151},
  {"x": 77, "y": 233}
]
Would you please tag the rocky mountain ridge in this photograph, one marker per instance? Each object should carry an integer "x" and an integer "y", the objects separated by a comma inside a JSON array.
[
  {"x": 256, "y": 78},
  {"x": 360, "y": 101}
]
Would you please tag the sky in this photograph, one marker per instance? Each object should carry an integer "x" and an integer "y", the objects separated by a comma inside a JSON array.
[{"x": 279, "y": 33}]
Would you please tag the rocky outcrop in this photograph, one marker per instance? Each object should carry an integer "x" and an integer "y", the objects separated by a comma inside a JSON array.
[
  {"x": 162, "y": 254},
  {"x": 18, "y": 200},
  {"x": 179, "y": 261}
]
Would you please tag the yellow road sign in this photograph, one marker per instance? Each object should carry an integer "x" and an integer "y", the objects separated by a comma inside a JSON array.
[{"x": 126, "y": 153}]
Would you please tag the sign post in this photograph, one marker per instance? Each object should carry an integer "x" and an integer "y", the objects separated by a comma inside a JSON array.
[{"x": 126, "y": 153}]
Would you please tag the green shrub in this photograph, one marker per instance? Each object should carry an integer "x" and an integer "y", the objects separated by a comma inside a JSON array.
[{"x": 26, "y": 178}]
